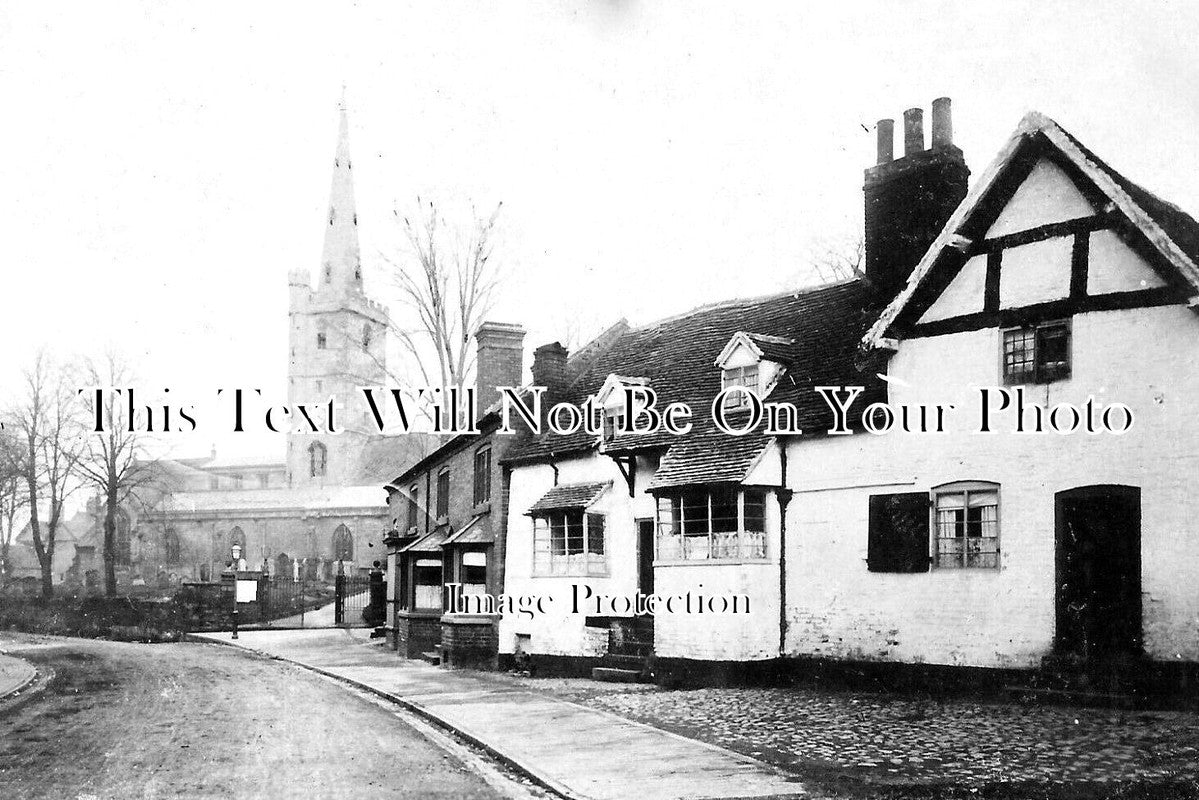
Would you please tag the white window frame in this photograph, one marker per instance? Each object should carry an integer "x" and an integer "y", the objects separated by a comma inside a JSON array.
[
  {"x": 672, "y": 544},
  {"x": 965, "y": 489},
  {"x": 585, "y": 562},
  {"x": 735, "y": 376}
]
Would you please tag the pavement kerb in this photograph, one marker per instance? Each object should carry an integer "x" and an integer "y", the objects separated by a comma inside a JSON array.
[
  {"x": 531, "y": 773},
  {"x": 33, "y": 676}
]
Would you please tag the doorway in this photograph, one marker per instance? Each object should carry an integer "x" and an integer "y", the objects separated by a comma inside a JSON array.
[
  {"x": 645, "y": 556},
  {"x": 1098, "y": 597}
]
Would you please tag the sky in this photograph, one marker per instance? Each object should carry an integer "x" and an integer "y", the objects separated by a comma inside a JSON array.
[{"x": 165, "y": 165}]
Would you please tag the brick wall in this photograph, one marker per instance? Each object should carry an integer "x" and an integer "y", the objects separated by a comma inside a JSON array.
[{"x": 468, "y": 642}]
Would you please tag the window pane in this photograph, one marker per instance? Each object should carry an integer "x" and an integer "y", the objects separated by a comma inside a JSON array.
[
  {"x": 695, "y": 513},
  {"x": 558, "y": 535},
  {"x": 574, "y": 532},
  {"x": 595, "y": 534},
  {"x": 1018, "y": 355},
  {"x": 1053, "y": 352},
  {"x": 724, "y": 510},
  {"x": 755, "y": 511}
]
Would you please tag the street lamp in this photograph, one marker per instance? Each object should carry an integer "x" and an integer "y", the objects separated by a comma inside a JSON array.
[{"x": 234, "y": 567}]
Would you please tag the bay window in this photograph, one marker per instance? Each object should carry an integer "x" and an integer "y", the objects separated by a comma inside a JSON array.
[{"x": 712, "y": 523}]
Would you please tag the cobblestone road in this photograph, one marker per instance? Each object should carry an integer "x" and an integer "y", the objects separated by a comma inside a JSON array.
[{"x": 885, "y": 740}]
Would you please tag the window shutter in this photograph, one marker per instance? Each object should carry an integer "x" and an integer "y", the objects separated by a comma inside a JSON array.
[{"x": 898, "y": 537}]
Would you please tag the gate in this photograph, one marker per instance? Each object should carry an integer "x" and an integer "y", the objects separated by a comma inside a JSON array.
[{"x": 282, "y": 602}]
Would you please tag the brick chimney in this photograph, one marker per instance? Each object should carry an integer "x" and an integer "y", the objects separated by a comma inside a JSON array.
[
  {"x": 500, "y": 362},
  {"x": 909, "y": 199},
  {"x": 549, "y": 367}
]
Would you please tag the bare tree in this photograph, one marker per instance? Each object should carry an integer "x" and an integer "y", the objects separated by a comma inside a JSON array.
[
  {"x": 12, "y": 499},
  {"x": 448, "y": 288},
  {"x": 45, "y": 428},
  {"x": 113, "y": 459},
  {"x": 836, "y": 259}
]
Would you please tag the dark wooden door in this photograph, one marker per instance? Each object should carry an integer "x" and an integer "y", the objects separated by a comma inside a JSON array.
[
  {"x": 645, "y": 556},
  {"x": 1098, "y": 603}
]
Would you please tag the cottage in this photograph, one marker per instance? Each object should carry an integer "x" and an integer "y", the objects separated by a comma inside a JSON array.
[{"x": 911, "y": 544}]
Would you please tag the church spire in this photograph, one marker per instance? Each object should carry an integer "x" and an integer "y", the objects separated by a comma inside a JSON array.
[{"x": 341, "y": 269}]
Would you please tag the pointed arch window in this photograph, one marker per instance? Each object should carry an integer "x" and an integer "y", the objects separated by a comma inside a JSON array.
[
  {"x": 317, "y": 459},
  {"x": 343, "y": 544},
  {"x": 237, "y": 538},
  {"x": 170, "y": 546},
  {"x": 328, "y": 273}
]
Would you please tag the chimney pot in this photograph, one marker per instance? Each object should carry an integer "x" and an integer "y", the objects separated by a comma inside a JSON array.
[
  {"x": 913, "y": 131},
  {"x": 942, "y": 123},
  {"x": 886, "y": 140}
]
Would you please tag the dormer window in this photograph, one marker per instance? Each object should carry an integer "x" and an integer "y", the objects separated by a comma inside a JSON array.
[
  {"x": 754, "y": 362},
  {"x": 612, "y": 424},
  {"x": 611, "y": 399},
  {"x": 746, "y": 376}
]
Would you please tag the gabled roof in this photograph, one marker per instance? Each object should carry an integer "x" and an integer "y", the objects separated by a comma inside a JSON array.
[
  {"x": 771, "y": 348},
  {"x": 815, "y": 331},
  {"x": 569, "y": 496},
  {"x": 1170, "y": 231}
]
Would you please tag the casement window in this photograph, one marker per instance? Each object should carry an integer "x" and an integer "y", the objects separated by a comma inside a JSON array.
[
  {"x": 897, "y": 540},
  {"x": 482, "y": 493},
  {"x": 1037, "y": 353},
  {"x": 739, "y": 376},
  {"x": 569, "y": 542},
  {"x": 966, "y": 524},
  {"x": 366, "y": 337},
  {"x": 321, "y": 340},
  {"x": 413, "y": 506},
  {"x": 965, "y": 528},
  {"x": 712, "y": 523},
  {"x": 443, "y": 493}
]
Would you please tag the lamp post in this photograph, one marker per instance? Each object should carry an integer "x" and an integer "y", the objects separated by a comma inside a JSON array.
[{"x": 236, "y": 561}]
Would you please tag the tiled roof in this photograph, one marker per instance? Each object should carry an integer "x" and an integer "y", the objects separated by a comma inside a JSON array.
[
  {"x": 774, "y": 348},
  {"x": 430, "y": 543},
  {"x": 677, "y": 356},
  {"x": 1177, "y": 224},
  {"x": 569, "y": 495},
  {"x": 709, "y": 456},
  {"x": 473, "y": 533}
]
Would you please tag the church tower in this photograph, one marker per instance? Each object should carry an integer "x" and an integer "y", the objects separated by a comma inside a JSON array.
[{"x": 337, "y": 339}]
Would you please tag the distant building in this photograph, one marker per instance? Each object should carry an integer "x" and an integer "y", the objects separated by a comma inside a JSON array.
[{"x": 321, "y": 506}]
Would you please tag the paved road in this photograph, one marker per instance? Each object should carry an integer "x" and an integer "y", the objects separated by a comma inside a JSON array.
[{"x": 188, "y": 720}]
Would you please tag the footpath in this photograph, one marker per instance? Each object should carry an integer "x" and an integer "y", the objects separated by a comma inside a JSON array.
[
  {"x": 15, "y": 675},
  {"x": 576, "y": 751}
]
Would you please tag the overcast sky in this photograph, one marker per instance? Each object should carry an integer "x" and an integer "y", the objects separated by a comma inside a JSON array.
[{"x": 166, "y": 164}]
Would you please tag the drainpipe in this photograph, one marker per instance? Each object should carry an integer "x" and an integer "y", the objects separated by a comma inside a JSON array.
[{"x": 784, "y": 496}]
